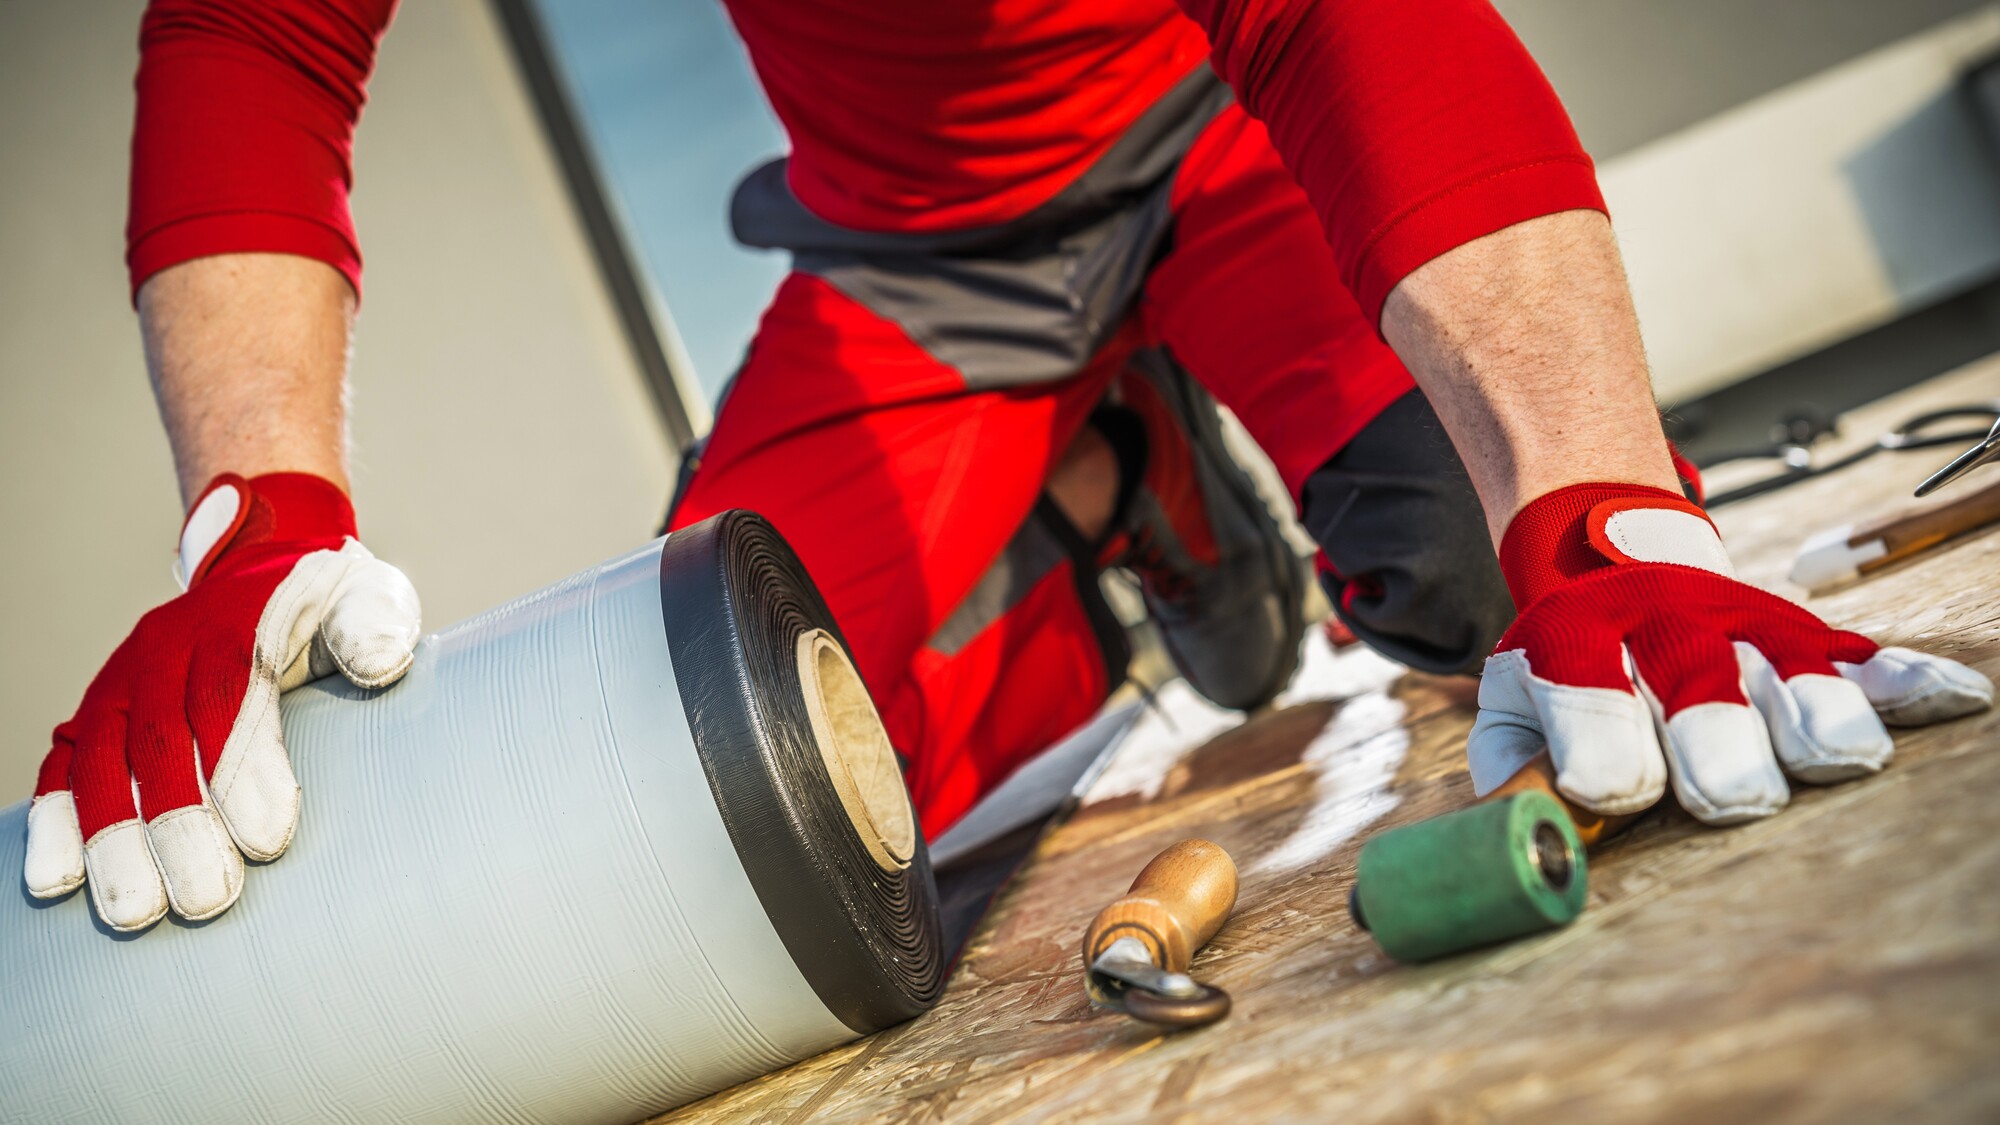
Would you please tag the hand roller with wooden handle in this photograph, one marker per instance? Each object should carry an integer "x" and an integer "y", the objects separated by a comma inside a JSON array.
[
  {"x": 1136, "y": 951},
  {"x": 1505, "y": 868}
]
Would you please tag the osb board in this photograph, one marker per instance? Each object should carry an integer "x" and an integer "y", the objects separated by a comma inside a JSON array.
[{"x": 1840, "y": 961}]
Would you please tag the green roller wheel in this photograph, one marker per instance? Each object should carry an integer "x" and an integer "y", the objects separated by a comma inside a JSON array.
[{"x": 1499, "y": 870}]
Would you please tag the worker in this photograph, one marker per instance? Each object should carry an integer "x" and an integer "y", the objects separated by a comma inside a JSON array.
[{"x": 1034, "y": 243}]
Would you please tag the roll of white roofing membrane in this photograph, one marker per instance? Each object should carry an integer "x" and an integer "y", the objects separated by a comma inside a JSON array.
[{"x": 606, "y": 849}]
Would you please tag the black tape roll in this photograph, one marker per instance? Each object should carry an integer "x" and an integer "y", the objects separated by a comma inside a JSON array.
[{"x": 868, "y": 941}]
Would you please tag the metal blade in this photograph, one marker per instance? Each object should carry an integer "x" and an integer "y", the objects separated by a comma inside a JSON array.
[
  {"x": 1128, "y": 963},
  {"x": 1985, "y": 451}
]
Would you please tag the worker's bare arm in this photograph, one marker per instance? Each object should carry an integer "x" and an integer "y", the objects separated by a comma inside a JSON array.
[
  {"x": 1527, "y": 344},
  {"x": 248, "y": 355},
  {"x": 1638, "y": 659}
]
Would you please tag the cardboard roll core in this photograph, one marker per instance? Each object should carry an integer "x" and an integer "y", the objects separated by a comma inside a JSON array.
[{"x": 856, "y": 751}]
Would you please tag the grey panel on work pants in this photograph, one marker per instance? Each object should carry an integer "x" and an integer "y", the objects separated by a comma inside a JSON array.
[
  {"x": 1041, "y": 543},
  {"x": 1026, "y": 301},
  {"x": 1028, "y": 557}
]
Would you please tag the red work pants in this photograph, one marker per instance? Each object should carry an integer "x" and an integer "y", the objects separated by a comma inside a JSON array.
[{"x": 900, "y": 482}]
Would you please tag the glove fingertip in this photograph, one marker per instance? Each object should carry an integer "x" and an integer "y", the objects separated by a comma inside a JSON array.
[
  {"x": 125, "y": 885},
  {"x": 1909, "y": 688},
  {"x": 1725, "y": 770},
  {"x": 1595, "y": 798},
  {"x": 1612, "y": 785},
  {"x": 1606, "y": 750},
  {"x": 53, "y": 866},
  {"x": 259, "y": 801},
  {"x": 372, "y": 631},
  {"x": 201, "y": 868},
  {"x": 1837, "y": 735},
  {"x": 374, "y": 666}
]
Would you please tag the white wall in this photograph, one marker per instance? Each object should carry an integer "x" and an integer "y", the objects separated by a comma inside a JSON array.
[
  {"x": 1811, "y": 213},
  {"x": 1633, "y": 71},
  {"x": 503, "y": 437}
]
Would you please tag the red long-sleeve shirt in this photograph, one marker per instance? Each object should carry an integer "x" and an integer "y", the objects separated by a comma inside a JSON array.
[{"x": 1413, "y": 125}]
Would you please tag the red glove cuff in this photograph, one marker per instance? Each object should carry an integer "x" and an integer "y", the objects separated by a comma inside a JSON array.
[
  {"x": 233, "y": 514},
  {"x": 1690, "y": 475},
  {"x": 1550, "y": 543}
]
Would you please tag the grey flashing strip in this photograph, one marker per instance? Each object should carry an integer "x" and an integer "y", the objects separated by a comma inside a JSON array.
[{"x": 651, "y": 342}]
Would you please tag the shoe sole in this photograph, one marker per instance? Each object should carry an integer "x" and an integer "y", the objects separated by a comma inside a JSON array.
[{"x": 1200, "y": 419}]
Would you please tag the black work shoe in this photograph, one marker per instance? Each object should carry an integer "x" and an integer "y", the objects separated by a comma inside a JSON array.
[{"x": 1220, "y": 580}]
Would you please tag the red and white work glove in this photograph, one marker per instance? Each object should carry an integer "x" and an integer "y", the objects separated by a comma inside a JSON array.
[
  {"x": 174, "y": 767},
  {"x": 1638, "y": 658}
]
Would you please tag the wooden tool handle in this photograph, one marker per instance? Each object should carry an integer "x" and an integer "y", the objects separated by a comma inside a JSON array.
[
  {"x": 1907, "y": 532},
  {"x": 1540, "y": 774},
  {"x": 1175, "y": 905}
]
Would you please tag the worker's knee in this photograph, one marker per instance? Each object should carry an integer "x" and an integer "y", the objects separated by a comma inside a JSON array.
[{"x": 1413, "y": 571}]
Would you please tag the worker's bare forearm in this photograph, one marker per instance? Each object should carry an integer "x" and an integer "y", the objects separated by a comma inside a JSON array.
[
  {"x": 248, "y": 355},
  {"x": 1526, "y": 343}
]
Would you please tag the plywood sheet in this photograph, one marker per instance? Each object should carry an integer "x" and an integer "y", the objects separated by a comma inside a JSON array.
[{"x": 1840, "y": 961}]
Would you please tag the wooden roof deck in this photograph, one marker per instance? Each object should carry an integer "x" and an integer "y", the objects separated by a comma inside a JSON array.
[{"x": 1838, "y": 961}]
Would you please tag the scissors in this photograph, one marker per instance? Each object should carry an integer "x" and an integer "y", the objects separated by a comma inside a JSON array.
[
  {"x": 1984, "y": 453},
  {"x": 1793, "y": 441}
]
